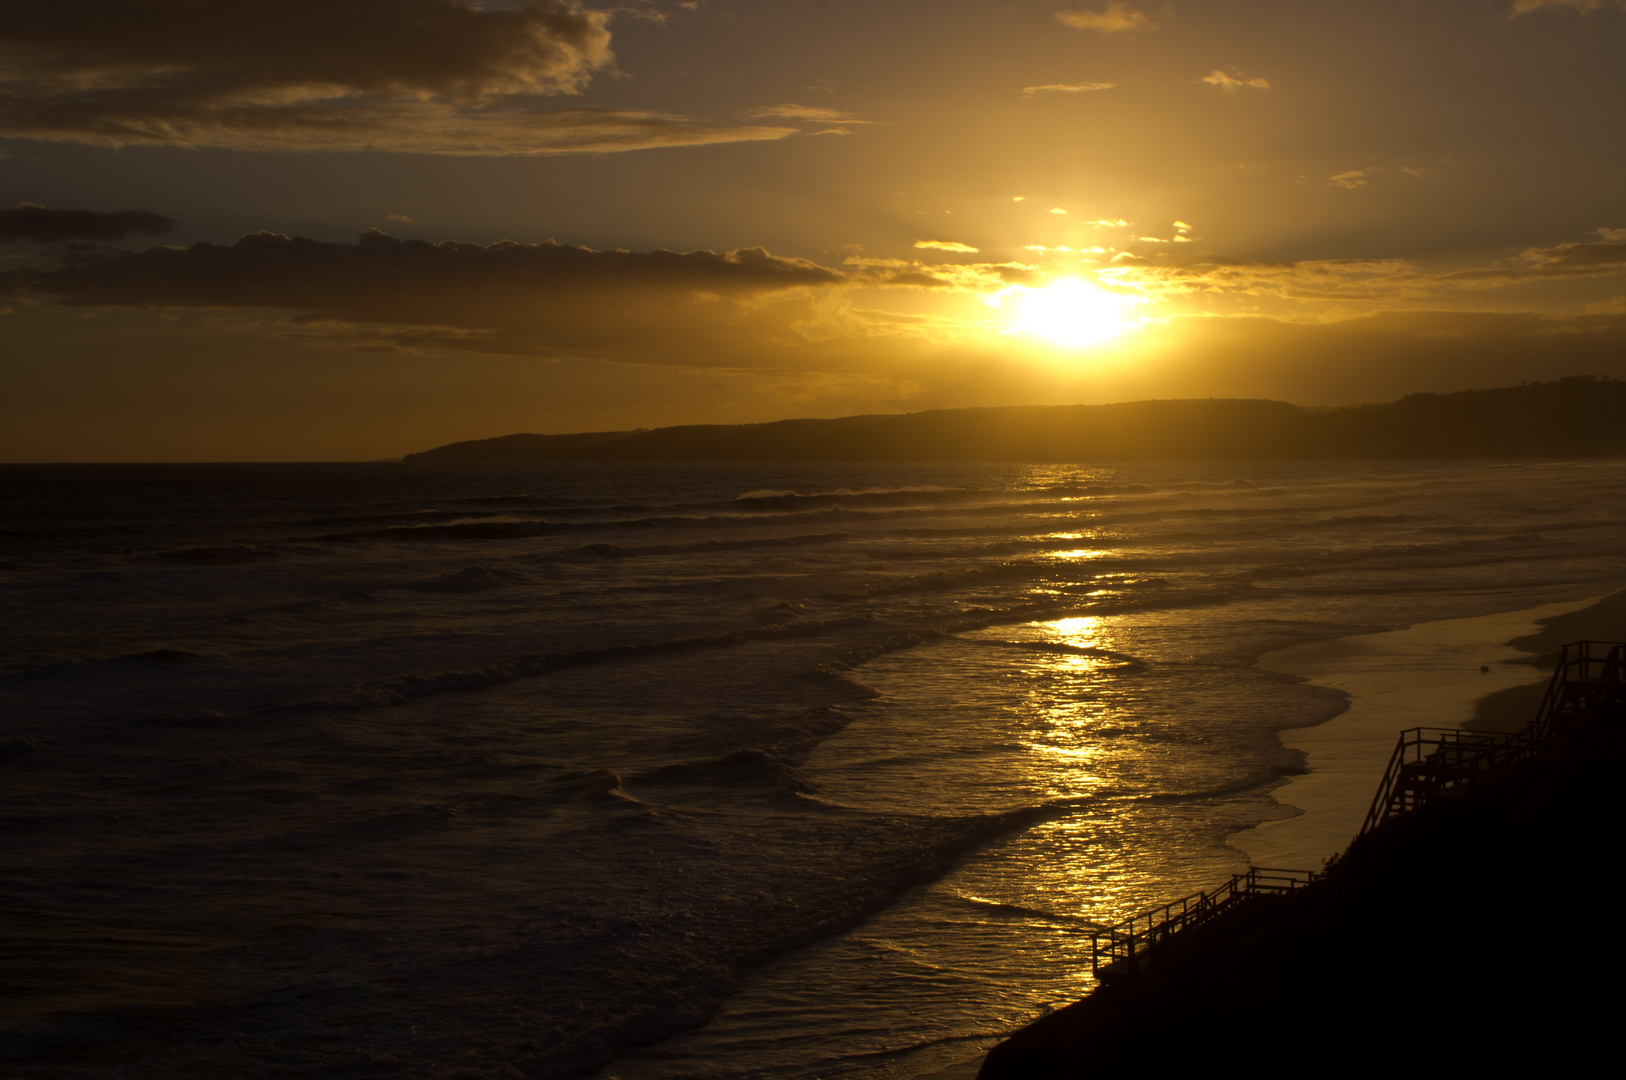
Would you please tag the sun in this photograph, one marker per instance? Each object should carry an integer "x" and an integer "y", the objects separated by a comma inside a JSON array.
[{"x": 1072, "y": 312}]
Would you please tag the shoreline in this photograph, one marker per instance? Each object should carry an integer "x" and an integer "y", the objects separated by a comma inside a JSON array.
[
  {"x": 1465, "y": 868},
  {"x": 1399, "y": 956},
  {"x": 1484, "y": 673},
  {"x": 1438, "y": 684}
]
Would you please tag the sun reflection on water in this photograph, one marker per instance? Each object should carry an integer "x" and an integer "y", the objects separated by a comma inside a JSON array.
[{"x": 1058, "y": 716}]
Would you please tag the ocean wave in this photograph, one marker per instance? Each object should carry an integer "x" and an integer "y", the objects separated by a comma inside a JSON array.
[
  {"x": 463, "y": 530},
  {"x": 23, "y": 1037},
  {"x": 24, "y": 744},
  {"x": 417, "y": 685},
  {"x": 957, "y": 579},
  {"x": 616, "y": 551},
  {"x": 472, "y": 579},
  {"x": 587, "y": 784},
  {"x": 197, "y": 718},
  {"x": 770, "y": 500},
  {"x": 150, "y": 661},
  {"x": 1063, "y": 648},
  {"x": 1091, "y": 490},
  {"x": 1005, "y": 909},
  {"x": 1268, "y": 775},
  {"x": 342, "y": 602},
  {"x": 744, "y": 768},
  {"x": 227, "y": 553},
  {"x": 1277, "y": 572},
  {"x": 695, "y": 937}
]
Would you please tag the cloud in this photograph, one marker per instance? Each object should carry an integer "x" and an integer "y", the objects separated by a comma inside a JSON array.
[
  {"x": 742, "y": 308},
  {"x": 402, "y": 218},
  {"x": 983, "y": 279},
  {"x": 1608, "y": 253},
  {"x": 1525, "y": 7},
  {"x": 1230, "y": 83},
  {"x": 1066, "y": 88},
  {"x": 1209, "y": 278},
  {"x": 1349, "y": 181},
  {"x": 528, "y": 299},
  {"x": 379, "y": 273},
  {"x": 429, "y": 76},
  {"x": 808, "y": 112},
  {"x": 1320, "y": 289},
  {"x": 1116, "y": 19},
  {"x": 26, "y": 221},
  {"x": 1055, "y": 210},
  {"x": 746, "y": 307}
]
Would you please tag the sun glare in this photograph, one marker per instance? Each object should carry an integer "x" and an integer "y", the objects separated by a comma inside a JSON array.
[{"x": 1071, "y": 312}]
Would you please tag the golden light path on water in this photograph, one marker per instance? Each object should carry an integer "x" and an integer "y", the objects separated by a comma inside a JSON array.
[
  {"x": 1064, "y": 721},
  {"x": 1050, "y": 718},
  {"x": 1052, "y": 714}
]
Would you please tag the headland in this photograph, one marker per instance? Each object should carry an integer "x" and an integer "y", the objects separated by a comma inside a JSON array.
[{"x": 1570, "y": 418}]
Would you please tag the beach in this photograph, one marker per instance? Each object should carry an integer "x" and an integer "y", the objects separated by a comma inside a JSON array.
[
  {"x": 1468, "y": 862},
  {"x": 1485, "y": 673}
]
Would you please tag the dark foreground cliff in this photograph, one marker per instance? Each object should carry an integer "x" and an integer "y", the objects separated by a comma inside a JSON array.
[
  {"x": 1480, "y": 932},
  {"x": 1569, "y": 418}
]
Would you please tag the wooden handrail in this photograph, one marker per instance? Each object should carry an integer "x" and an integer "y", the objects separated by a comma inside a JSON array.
[
  {"x": 1591, "y": 676},
  {"x": 1452, "y": 758},
  {"x": 1124, "y": 940}
]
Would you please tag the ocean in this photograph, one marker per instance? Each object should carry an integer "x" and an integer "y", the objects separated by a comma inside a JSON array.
[{"x": 658, "y": 771}]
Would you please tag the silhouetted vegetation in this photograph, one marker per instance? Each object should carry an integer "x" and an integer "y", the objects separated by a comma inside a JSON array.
[{"x": 1572, "y": 417}]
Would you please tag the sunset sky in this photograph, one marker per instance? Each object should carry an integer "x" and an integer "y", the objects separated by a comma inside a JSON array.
[{"x": 352, "y": 229}]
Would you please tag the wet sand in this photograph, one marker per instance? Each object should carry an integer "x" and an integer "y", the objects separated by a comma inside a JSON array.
[{"x": 1486, "y": 673}]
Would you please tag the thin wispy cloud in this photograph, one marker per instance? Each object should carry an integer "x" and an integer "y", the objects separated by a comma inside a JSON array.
[
  {"x": 1229, "y": 83},
  {"x": 1606, "y": 255},
  {"x": 1118, "y": 18},
  {"x": 1066, "y": 88},
  {"x": 814, "y": 113},
  {"x": 1526, "y": 7},
  {"x": 946, "y": 245},
  {"x": 1313, "y": 283},
  {"x": 1350, "y": 180}
]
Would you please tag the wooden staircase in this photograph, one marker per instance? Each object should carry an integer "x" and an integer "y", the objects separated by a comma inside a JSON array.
[{"x": 1588, "y": 686}]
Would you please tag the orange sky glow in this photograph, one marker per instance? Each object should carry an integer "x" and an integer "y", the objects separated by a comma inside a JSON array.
[{"x": 270, "y": 230}]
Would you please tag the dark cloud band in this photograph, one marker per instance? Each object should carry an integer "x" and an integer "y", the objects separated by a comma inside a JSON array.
[
  {"x": 26, "y": 221},
  {"x": 537, "y": 295}
]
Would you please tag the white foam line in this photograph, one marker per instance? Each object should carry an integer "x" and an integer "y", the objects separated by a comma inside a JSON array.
[{"x": 1427, "y": 675}]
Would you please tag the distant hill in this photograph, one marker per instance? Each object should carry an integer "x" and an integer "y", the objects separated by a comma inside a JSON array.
[{"x": 1580, "y": 416}]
